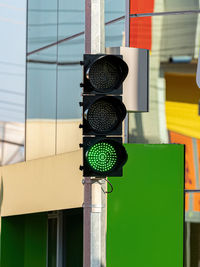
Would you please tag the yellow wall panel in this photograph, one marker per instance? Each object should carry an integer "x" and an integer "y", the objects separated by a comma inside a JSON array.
[
  {"x": 40, "y": 138},
  {"x": 182, "y": 97},
  {"x": 69, "y": 136},
  {"x": 181, "y": 87},
  {"x": 44, "y": 184},
  {"x": 183, "y": 118},
  {"x": 49, "y": 137}
]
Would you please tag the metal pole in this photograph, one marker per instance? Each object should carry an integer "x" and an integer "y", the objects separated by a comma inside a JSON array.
[
  {"x": 86, "y": 222},
  {"x": 188, "y": 247},
  {"x": 97, "y": 27},
  {"x": 94, "y": 223},
  {"x": 94, "y": 198},
  {"x": 127, "y": 24},
  {"x": 127, "y": 44}
]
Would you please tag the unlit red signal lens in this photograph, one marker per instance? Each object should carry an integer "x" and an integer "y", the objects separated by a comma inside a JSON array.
[{"x": 104, "y": 75}]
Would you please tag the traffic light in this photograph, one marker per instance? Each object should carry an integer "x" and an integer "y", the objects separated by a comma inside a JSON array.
[{"x": 103, "y": 114}]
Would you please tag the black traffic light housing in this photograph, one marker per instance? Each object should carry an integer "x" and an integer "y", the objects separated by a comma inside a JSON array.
[{"x": 103, "y": 115}]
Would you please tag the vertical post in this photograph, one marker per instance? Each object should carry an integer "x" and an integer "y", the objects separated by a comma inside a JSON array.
[
  {"x": 94, "y": 199},
  {"x": 60, "y": 239},
  {"x": 127, "y": 43},
  {"x": 188, "y": 233},
  {"x": 94, "y": 26},
  {"x": 86, "y": 222},
  {"x": 97, "y": 27},
  {"x": 127, "y": 24},
  {"x": 88, "y": 26}
]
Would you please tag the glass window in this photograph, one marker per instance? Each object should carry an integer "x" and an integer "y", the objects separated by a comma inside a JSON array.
[
  {"x": 55, "y": 48},
  {"x": 70, "y": 53},
  {"x": 65, "y": 238},
  {"x": 42, "y": 23},
  {"x": 114, "y": 9},
  {"x": 115, "y": 23},
  {"x": 115, "y": 34},
  {"x": 52, "y": 242},
  {"x": 12, "y": 76}
]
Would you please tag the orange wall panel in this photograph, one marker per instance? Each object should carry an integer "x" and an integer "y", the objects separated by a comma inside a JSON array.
[
  {"x": 196, "y": 201},
  {"x": 141, "y": 6},
  {"x": 141, "y": 28},
  {"x": 140, "y": 33},
  {"x": 196, "y": 196},
  {"x": 190, "y": 182}
]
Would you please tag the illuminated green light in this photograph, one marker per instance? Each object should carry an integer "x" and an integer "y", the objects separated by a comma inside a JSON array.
[{"x": 102, "y": 157}]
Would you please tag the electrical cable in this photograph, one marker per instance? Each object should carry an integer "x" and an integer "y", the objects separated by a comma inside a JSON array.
[{"x": 108, "y": 192}]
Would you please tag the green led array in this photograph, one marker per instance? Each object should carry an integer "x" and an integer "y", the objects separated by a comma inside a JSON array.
[{"x": 102, "y": 157}]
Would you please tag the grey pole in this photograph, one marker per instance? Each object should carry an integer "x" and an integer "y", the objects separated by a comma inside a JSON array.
[
  {"x": 127, "y": 43},
  {"x": 94, "y": 198}
]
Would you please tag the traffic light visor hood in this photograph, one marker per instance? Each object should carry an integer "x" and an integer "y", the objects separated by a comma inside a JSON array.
[
  {"x": 105, "y": 156},
  {"x": 107, "y": 73}
]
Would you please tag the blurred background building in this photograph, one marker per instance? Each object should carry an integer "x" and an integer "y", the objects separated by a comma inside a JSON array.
[{"x": 174, "y": 96}]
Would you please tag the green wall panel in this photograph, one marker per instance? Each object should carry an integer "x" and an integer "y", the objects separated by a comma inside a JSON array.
[
  {"x": 12, "y": 241},
  {"x": 73, "y": 238},
  {"x": 146, "y": 208},
  {"x": 24, "y": 240},
  {"x": 35, "y": 240}
]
